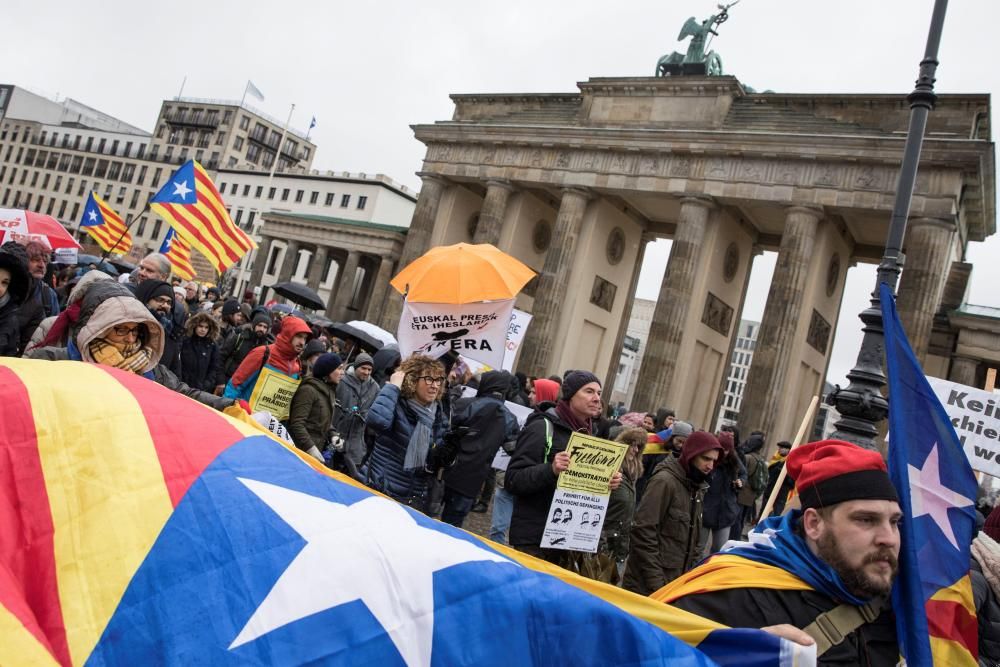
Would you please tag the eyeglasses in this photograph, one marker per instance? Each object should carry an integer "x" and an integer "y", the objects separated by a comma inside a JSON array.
[
  {"x": 123, "y": 331},
  {"x": 431, "y": 380}
]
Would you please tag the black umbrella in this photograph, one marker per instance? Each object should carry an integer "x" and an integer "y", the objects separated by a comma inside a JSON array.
[
  {"x": 299, "y": 294},
  {"x": 364, "y": 339}
]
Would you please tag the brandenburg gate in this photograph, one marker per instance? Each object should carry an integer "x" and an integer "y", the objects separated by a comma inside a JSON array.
[{"x": 576, "y": 184}]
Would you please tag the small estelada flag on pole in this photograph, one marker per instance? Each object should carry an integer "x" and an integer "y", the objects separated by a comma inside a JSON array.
[
  {"x": 178, "y": 252},
  {"x": 105, "y": 226},
  {"x": 192, "y": 205}
]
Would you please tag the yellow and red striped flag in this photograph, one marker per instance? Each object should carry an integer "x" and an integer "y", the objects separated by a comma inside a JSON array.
[
  {"x": 105, "y": 226},
  {"x": 178, "y": 251},
  {"x": 192, "y": 205}
]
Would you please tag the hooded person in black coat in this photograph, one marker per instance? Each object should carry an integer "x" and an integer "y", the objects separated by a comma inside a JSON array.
[
  {"x": 158, "y": 296},
  {"x": 14, "y": 283},
  {"x": 487, "y": 424}
]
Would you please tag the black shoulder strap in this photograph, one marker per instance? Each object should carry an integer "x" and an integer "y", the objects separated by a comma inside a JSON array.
[{"x": 265, "y": 357}]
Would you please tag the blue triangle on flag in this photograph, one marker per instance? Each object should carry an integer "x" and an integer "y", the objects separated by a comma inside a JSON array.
[
  {"x": 168, "y": 241},
  {"x": 92, "y": 216},
  {"x": 179, "y": 188}
]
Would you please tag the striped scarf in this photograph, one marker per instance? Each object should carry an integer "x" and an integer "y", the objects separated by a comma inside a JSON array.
[{"x": 134, "y": 358}]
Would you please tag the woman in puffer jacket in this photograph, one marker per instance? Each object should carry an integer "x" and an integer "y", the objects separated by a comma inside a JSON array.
[
  {"x": 985, "y": 576},
  {"x": 408, "y": 421}
]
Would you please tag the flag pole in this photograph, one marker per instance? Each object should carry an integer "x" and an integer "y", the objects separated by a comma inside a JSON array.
[
  {"x": 127, "y": 226},
  {"x": 277, "y": 156},
  {"x": 784, "y": 469},
  {"x": 245, "y": 89},
  {"x": 180, "y": 93}
]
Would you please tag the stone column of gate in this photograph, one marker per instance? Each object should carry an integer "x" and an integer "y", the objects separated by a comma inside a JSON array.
[
  {"x": 260, "y": 263},
  {"x": 928, "y": 255},
  {"x": 316, "y": 265},
  {"x": 611, "y": 376},
  {"x": 288, "y": 262},
  {"x": 963, "y": 370},
  {"x": 656, "y": 373},
  {"x": 340, "y": 298},
  {"x": 553, "y": 282},
  {"x": 491, "y": 216},
  {"x": 418, "y": 238},
  {"x": 769, "y": 369},
  {"x": 379, "y": 291}
]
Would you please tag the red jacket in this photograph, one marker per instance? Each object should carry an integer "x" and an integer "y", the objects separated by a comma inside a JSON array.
[{"x": 282, "y": 355}]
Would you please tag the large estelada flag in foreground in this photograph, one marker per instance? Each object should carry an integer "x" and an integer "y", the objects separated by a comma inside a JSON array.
[
  {"x": 192, "y": 205},
  {"x": 178, "y": 253},
  {"x": 935, "y": 614},
  {"x": 140, "y": 527},
  {"x": 105, "y": 226}
]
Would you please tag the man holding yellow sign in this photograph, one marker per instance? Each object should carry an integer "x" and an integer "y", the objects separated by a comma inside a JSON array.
[{"x": 542, "y": 457}]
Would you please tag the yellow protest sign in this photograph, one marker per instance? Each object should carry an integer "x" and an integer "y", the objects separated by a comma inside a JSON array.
[
  {"x": 273, "y": 393},
  {"x": 580, "y": 502}
]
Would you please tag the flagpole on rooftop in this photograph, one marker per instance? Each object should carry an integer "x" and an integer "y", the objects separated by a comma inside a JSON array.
[
  {"x": 246, "y": 88},
  {"x": 861, "y": 405}
]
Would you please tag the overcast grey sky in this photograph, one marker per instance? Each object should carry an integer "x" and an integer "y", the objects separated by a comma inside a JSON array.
[{"x": 367, "y": 71}]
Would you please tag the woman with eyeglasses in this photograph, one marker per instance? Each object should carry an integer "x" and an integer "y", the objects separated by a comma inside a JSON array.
[
  {"x": 117, "y": 330},
  {"x": 408, "y": 420}
]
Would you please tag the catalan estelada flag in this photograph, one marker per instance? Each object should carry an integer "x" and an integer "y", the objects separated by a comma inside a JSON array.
[
  {"x": 105, "y": 226},
  {"x": 935, "y": 614},
  {"x": 140, "y": 527},
  {"x": 192, "y": 205},
  {"x": 178, "y": 251}
]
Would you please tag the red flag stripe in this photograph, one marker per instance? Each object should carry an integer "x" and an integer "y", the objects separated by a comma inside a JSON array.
[
  {"x": 181, "y": 465},
  {"x": 950, "y": 620},
  {"x": 28, "y": 553},
  {"x": 216, "y": 242},
  {"x": 176, "y": 213},
  {"x": 214, "y": 201}
]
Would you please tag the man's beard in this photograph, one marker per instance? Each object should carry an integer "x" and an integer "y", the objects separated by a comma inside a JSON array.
[{"x": 855, "y": 579}]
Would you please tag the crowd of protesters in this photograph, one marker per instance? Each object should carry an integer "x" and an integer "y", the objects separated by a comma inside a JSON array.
[{"x": 427, "y": 432}]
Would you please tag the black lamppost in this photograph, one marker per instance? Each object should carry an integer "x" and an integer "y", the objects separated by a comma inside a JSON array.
[{"x": 861, "y": 405}]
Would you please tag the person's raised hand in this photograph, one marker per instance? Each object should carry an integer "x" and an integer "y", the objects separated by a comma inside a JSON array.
[
  {"x": 560, "y": 462},
  {"x": 397, "y": 379}
]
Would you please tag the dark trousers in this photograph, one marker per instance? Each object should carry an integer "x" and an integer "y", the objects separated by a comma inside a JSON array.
[{"x": 456, "y": 507}]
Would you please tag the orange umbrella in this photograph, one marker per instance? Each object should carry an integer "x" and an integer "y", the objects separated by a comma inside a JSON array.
[{"x": 462, "y": 273}]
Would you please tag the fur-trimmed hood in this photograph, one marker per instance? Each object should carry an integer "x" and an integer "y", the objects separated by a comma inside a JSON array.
[{"x": 107, "y": 304}]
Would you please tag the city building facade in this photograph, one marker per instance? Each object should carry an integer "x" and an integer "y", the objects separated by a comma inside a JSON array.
[
  {"x": 576, "y": 184},
  {"x": 740, "y": 361}
]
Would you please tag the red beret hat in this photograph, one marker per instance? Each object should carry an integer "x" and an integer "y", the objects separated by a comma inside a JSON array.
[{"x": 833, "y": 471}]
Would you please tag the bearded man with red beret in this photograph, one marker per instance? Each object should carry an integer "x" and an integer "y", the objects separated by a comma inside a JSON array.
[{"x": 821, "y": 574}]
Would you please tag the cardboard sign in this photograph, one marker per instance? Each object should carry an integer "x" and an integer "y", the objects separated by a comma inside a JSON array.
[
  {"x": 273, "y": 393},
  {"x": 519, "y": 321},
  {"x": 580, "y": 503},
  {"x": 975, "y": 414},
  {"x": 475, "y": 330},
  {"x": 66, "y": 256}
]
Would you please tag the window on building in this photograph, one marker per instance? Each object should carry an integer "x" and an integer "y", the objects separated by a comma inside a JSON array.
[
  {"x": 115, "y": 170},
  {"x": 169, "y": 155},
  {"x": 238, "y": 144},
  {"x": 69, "y": 186},
  {"x": 156, "y": 229},
  {"x": 232, "y": 189},
  {"x": 298, "y": 196},
  {"x": 121, "y": 194},
  {"x": 83, "y": 187},
  {"x": 76, "y": 210},
  {"x": 34, "y": 179},
  {"x": 329, "y": 198},
  {"x": 45, "y": 181},
  {"x": 220, "y": 138},
  {"x": 314, "y": 197},
  {"x": 362, "y": 202},
  {"x": 345, "y": 201},
  {"x": 270, "y": 193},
  {"x": 156, "y": 178},
  {"x": 284, "y": 194},
  {"x": 246, "y": 190},
  {"x": 258, "y": 192},
  {"x": 141, "y": 151},
  {"x": 253, "y": 153},
  {"x": 231, "y": 162},
  {"x": 244, "y": 122},
  {"x": 239, "y": 216},
  {"x": 100, "y": 145},
  {"x": 250, "y": 218},
  {"x": 114, "y": 147},
  {"x": 142, "y": 176}
]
